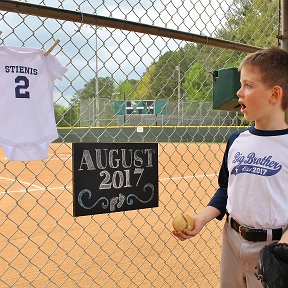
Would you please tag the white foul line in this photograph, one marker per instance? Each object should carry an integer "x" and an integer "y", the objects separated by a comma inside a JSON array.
[
  {"x": 22, "y": 182},
  {"x": 34, "y": 189},
  {"x": 37, "y": 188},
  {"x": 187, "y": 177}
]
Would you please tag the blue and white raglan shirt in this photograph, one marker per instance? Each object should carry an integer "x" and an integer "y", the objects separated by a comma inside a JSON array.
[{"x": 253, "y": 185}]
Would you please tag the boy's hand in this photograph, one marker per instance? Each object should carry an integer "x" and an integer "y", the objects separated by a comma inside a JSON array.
[
  {"x": 200, "y": 221},
  {"x": 187, "y": 234}
]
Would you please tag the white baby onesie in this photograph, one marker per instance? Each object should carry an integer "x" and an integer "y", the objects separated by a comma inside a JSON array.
[{"x": 27, "y": 120}]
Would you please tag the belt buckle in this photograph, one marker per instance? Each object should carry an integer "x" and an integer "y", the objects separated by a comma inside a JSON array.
[{"x": 240, "y": 231}]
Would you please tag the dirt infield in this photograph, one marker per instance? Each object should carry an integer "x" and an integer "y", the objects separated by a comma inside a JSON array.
[{"x": 42, "y": 245}]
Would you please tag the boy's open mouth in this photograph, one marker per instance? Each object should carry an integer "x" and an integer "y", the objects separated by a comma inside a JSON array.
[{"x": 243, "y": 107}]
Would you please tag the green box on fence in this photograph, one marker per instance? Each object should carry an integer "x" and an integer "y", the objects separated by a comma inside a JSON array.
[{"x": 226, "y": 83}]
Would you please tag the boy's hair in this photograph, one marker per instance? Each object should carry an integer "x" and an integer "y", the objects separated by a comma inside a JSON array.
[{"x": 273, "y": 65}]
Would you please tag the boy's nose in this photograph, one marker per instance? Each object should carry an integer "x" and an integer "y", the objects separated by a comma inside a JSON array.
[{"x": 239, "y": 93}]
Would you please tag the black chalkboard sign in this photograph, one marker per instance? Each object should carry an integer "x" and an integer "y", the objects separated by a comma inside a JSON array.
[{"x": 111, "y": 177}]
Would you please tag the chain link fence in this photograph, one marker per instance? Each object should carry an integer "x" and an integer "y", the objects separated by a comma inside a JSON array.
[{"x": 41, "y": 243}]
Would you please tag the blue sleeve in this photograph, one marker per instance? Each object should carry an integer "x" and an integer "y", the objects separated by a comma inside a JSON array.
[{"x": 219, "y": 200}]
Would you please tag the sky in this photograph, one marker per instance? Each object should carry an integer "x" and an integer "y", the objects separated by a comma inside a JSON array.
[{"x": 115, "y": 53}]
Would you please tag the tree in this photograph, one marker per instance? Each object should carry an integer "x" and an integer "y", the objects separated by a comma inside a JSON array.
[
  {"x": 67, "y": 116},
  {"x": 106, "y": 88},
  {"x": 197, "y": 85},
  {"x": 253, "y": 22},
  {"x": 59, "y": 115},
  {"x": 161, "y": 79},
  {"x": 143, "y": 89},
  {"x": 126, "y": 89}
]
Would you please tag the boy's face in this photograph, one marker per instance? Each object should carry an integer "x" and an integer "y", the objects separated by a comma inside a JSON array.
[{"x": 253, "y": 95}]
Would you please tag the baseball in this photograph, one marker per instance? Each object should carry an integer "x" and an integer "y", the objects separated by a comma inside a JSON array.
[{"x": 183, "y": 221}]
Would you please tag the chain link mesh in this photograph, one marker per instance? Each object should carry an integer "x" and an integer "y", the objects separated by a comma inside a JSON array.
[{"x": 41, "y": 244}]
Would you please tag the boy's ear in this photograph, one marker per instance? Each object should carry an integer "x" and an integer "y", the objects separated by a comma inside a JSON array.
[{"x": 277, "y": 94}]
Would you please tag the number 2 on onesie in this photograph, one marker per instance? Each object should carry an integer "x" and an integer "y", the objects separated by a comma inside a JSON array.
[{"x": 21, "y": 89}]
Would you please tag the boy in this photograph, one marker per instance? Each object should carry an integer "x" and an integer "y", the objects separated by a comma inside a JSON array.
[{"x": 252, "y": 181}]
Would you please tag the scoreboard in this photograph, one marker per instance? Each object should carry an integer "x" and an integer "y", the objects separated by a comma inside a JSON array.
[{"x": 140, "y": 107}]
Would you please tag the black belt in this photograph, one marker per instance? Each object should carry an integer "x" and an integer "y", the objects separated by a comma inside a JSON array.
[{"x": 252, "y": 234}]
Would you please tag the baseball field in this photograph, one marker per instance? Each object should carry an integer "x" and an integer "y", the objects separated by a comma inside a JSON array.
[{"x": 43, "y": 245}]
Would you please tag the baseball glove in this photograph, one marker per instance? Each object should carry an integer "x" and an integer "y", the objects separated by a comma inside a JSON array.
[{"x": 272, "y": 265}]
